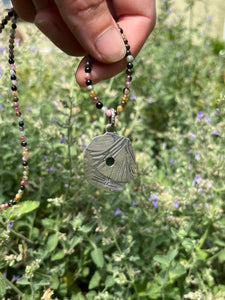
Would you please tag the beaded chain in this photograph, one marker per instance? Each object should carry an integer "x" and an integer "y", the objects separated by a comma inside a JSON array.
[
  {"x": 95, "y": 99},
  {"x": 12, "y": 15}
]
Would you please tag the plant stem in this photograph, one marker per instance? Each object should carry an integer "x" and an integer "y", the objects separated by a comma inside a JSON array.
[{"x": 13, "y": 287}]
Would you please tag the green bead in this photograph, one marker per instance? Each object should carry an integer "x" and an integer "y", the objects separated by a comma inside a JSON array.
[
  {"x": 130, "y": 58},
  {"x": 20, "y": 119}
]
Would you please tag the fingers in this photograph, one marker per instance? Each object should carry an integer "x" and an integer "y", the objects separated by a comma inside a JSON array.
[
  {"x": 137, "y": 23},
  {"x": 25, "y": 9},
  {"x": 92, "y": 24}
]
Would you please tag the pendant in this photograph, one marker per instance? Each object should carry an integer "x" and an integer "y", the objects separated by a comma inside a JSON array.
[{"x": 109, "y": 161}]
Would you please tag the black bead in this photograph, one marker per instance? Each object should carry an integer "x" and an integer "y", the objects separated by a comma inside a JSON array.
[
  {"x": 22, "y": 187},
  {"x": 88, "y": 63},
  {"x": 10, "y": 13},
  {"x": 129, "y": 65},
  {"x": 4, "y": 21},
  {"x": 127, "y": 46},
  {"x": 10, "y": 204},
  {"x": 21, "y": 124},
  {"x": 14, "y": 88},
  {"x": 128, "y": 52},
  {"x": 99, "y": 105},
  {"x": 24, "y": 144},
  {"x": 1, "y": 26},
  {"x": 14, "y": 26},
  {"x": 25, "y": 163},
  {"x": 121, "y": 30},
  {"x": 11, "y": 61},
  {"x": 88, "y": 82},
  {"x": 15, "y": 99},
  {"x": 13, "y": 77},
  {"x": 129, "y": 71},
  {"x": 87, "y": 69}
]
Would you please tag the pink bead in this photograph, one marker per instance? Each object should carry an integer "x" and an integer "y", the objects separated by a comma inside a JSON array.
[
  {"x": 16, "y": 104},
  {"x": 17, "y": 109},
  {"x": 21, "y": 128},
  {"x": 23, "y": 138},
  {"x": 6, "y": 205},
  {"x": 128, "y": 84},
  {"x": 128, "y": 78},
  {"x": 95, "y": 99},
  {"x": 12, "y": 67},
  {"x": 24, "y": 149},
  {"x": 23, "y": 182},
  {"x": 25, "y": 158},
  {"x": 109, "y": 113},
  {"x": 87, "y": 76}
]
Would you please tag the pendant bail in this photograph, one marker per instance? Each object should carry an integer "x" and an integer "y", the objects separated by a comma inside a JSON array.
[{"x": 110, "y": 127}]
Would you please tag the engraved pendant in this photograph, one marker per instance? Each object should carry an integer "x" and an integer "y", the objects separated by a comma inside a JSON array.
[{"x": 109, "y": 161}]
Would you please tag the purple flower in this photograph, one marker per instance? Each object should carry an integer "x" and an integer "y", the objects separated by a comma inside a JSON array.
[
  {"x": 62, "y": 78},
  {"x": 217, "y": 112},
  {"x": 214, "y": 132},
  {"x": 171, "y": 160},
  {"x": 55, "y": 103},
  {"x": 154, "y": 199},
  {"x": 135, "y": 202},
  {"x": 193, "y": 136},
  {"x": 15, "y": 278},
  {"x": 54, "y": 120},
  {"x": 1, "y": 107},
  {"x": 44, "y": 157},
  {"x": 83, "y": 146},
  {"x": 117, "y": 212},
  {"x": 208, "y": 119},
  {"x": 2, "y": 50},
  {"x": 66, "y": 185},
  {"x": 200, "y": 115},
  {"x": 29, "y": 108},
  {"x": 51, "y": 169},
  {"x": 0, "y": 72},
  {"x": 151, "y": 100},
  {"x": 197, "y": 155},
  {"x": 133, "y": 97},
  {"x": 196, "y": 179},
  {"x": 11, "y": 224},
  {"x": 63, "y": 139},
  {"x": 176, "y": 204}
]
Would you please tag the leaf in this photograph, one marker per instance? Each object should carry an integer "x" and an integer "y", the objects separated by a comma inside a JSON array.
[
  {"x": 97, "y": 257},
  {"x": 95, "y": 280},
  {"x": 162, "y": 259},
  {"x": 20, "y": 209},
  {"x": 2, "y": 285},
  {"x": 59, "y": 255},
  {"x": 52, "y": 242},
  {"x": 222, "y": 255},
  {"x": 201, "y": 254},
  {"x": 109, "y": 281},
  {"x": 75, "y": 241},
  {"x": 171, "y": 254}
]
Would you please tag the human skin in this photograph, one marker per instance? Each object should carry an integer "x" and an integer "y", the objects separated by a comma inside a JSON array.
[{"x": 81, "y": 27}]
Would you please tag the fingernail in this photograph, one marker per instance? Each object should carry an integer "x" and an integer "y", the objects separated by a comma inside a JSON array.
[{"x": 110, "y": 45}]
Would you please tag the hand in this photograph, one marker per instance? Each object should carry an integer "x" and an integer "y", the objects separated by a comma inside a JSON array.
[{"x": 81, "y": 27}]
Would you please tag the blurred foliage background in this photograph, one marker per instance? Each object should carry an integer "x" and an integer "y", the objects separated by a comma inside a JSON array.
[{"x": 162, "y": 235}]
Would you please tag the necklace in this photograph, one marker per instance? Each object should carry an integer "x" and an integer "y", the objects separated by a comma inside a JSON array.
[
  {"x": 109, "y": 160},
  {"x": 12, "y": 16}
]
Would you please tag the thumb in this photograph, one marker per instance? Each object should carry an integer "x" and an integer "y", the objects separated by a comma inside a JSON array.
[{"x": 93, "y": 26}]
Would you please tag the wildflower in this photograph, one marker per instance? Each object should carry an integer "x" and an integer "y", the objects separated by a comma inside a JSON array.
[
  {"x": 176, "y": 204},
  {"x": 15, "y": 278},
  {"x": 1, "y": 107},
  {"x": 53, "y": 120},
  {"x": 11, "y": 224},
  {"x": 66, "y": 185},
  {"x": 192, "y": 136},
  {"x": 62, "y": 78},
  {"x": 29, "y": 108},
  {"x": 44, "y": 157},
  {"x": 47, "y": 295},
  {"x": 207, "y": 119},
  {"x": 197, "y": 155},
  {"x": 200, "y": 115},
  {"x": 214, "y": 132},
  {"x": 154, "y": 199},
  {"x": 63, "y": 139},
  {"x": 196, "y": 179},
  {"x": 117, "y": 212},
  {"x": 135, "y": 202},
  {"x": 151, "y": 100},
  {"x": 2, "y": 50},
  {"x": 55, "y": 103},
  {"x": 133, "y": 97},
  {"x": 51, "y": 169},
  {"x": 171, "y": 160}
]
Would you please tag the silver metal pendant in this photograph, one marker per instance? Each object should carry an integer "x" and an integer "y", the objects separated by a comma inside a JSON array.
[{"x": 109, "y": 161}]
